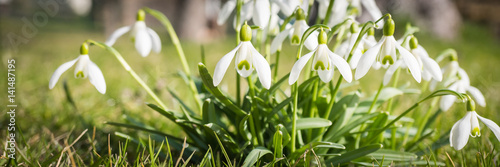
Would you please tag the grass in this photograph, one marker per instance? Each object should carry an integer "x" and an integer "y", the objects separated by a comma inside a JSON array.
[{"x": 50, "y": 125}]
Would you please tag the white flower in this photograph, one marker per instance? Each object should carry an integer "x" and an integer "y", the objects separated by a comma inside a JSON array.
[
  {"x": 295, "y": 34},
  {"x": 384, "y": 54},
  {"x": 257, "y": 10},
  {"x": 288, "y": 6},
  {"x": 462, "y": 85},
  {"x": 338, "y": 13},
  {"x": 429, "y": 68},
  {"x": 145, "y": 38},
  {"x": 346, "y": 46},
  {"x": 84, "y": 68},
  {"x": 469, "y": 125},
  {"x": 324, "y": 62},
  {"x": 247, "y": 58}
]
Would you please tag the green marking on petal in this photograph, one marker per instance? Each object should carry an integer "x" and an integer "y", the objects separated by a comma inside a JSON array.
[
  {"x": 364, "y": 50},
  {"x": 295, "y": 40},
  {"x": 245, "y": 64},
  {"x": 476, "y": 132},
  {"x": 388, "y": 59},
  {"x": 80, "y": 74},
  {"x": 318, "y": 65}
]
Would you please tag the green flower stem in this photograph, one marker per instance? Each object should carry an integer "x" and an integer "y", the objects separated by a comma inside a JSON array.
[
  {"x": 276, "y": 64},
  {"x": 237, "y": 29},
  {"x": 255, "y": 111},
  {"x": 294, "y": 117},
  {"x": 127, "y": 68},
  {"x": 394, "y": 85},
  {"x": 258, "y": 40},
  {"x": 175, "y": 40},
  {"x": 437, "y": 93},
  {"x": 328, "y": 12},
  {"x": 362, "y": 127},
  {"x": 425, "y": 119},
  {"x": 312, "y": 109},
  {"x": 375, "y": 98}
]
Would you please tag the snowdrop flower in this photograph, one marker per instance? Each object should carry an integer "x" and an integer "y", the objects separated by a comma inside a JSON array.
[
  {"x": 145, "y": 38},
  {"x": 469, "y": 125},
  {"x": 346, "y": 46},
  {"x": 257, "y": 10},
  {"x": 287, "y": 7},
  {"x": 84, "y": 68},
  {"x": 338, "y": 13},
  {"x": 429, "y": 68},
  {"x": 295, "y": 33},
  {"x": 384, "y": 54},
  {"x": 247, "y": 58},
  {"x": 462, "y": 85},
  {"x": 324, "y": 62}
]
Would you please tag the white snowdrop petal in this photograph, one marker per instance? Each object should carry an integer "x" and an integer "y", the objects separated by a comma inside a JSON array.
[
  {"x": 223, "y": 64},
  {"x": 460, "y": 132},
  {"x": 341, "y": 65},
  {"x": 143, "y": 42},
  {"x": 298, "y": 66},
  {"x": 410, "y": 62},
  {"x": 432, "y": 68},
  {"x": 156, "y": 41},
  {"x": 262, "y": 67},
  {"x": 477, "y": 95},
  {"x": 96, "y": 77},
  {"x": 492, "y": 125},
  {"x": 261, "y": 13},
  {"x": 278, "y": 40},
  {"x": 226, "y": 10},
  {"x": 366, "y": 60},
  {"x": 59, "y": 71},
  {"x": 117, "y": 34}
]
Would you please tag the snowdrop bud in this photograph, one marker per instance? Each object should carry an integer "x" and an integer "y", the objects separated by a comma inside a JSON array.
[
  {"x": 413, "y": 43},
  {"x": 354, "y": 28},
  {"x": 299, "y": 14},
  {"x": 389, "y": 27},
  {"x": 371, "y": 31},
  {"x": 322, "y": 37},
  {"x": 141, "y": 15},
  {"x": 245, "y": 33},
  {"x": 84, "y": 49},
  {"x": 471, "y": 106}
]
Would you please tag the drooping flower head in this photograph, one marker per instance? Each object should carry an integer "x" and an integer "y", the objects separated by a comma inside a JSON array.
[
  {"x": 84, "y": 68},
  {"x": 295, "y": 33},
  {"x": 145, "y": 38},
  {"x": 247, "y": 59},
  {"x": 430, "y": 68},
  {"x": 469, "y": 125},
  {"x": 384, "y": 53},
  {"x": 324, "y": 62}
]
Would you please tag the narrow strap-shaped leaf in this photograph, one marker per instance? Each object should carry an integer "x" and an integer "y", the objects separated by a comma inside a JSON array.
[
  {"x": 208, "y": 82},
  {"x": 255, "y": 155},
  {"x": 352, "y": 155},
  {"x": 351, "y": 126},
  {"x": 392, "y": 155},
  {"x": 311, "y": 123}
]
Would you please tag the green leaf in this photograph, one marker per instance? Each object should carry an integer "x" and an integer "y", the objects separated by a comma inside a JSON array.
[
  {"x": 243, "y": 130},
  {"x": 392, "y": 155},
  {"x": 351, "y": 125},
  {"x": 169, "y": 114},
  {"x": 278, "y": 144},
  {"x": 255, "y": 155},
  {"x": 275, "y": 86},
  {"x": 311, "y": 123},
  {"x": 280, "y": 106},
  {"x": 223, "y": 135},
  {"x": 223, "y": 150},
  {"x": 352, "y": 155},
  {"x": 208, "y": 82}
]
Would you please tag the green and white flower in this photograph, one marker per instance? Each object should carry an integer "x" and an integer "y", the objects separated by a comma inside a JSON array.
[
  {"x": 84, "y": 68},
  {"x": 384, "y": 54},
  {"x": 295, "y": 34},
  {"x": 247, "y": 59},
  {"x": 145, "y": 38},
  {"x": 469, "y": 125},
  {"x": 324, "y": 62},
  {"x": 257, "y": 10}
]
